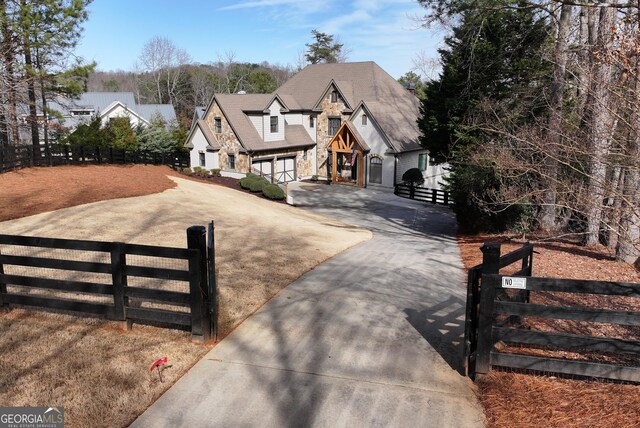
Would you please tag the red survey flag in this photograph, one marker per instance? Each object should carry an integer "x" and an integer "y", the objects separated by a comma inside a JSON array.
[{"x": 158, "y": 363}]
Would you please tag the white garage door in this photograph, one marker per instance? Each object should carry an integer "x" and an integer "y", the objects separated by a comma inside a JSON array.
[
  {"x": 263, "y": 168},
  {"x": 285, "y": 170}
]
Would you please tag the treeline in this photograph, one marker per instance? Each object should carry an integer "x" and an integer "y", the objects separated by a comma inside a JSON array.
[
  {"x": 166, "y": 75},
  {"x": 537, "y": 113}
]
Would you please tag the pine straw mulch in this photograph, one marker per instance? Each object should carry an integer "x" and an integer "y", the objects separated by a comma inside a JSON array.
[{"x": 513, "y": 399}]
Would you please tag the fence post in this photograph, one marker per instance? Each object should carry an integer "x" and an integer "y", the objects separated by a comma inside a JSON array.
[
  {"x": 2, "y": 149},
  {"x": 200, "y": 317},
  {"x": 119, "y": 277},
  {"x": 434, "y": 196},
  {"x": 213, "y": 279},
  {"x": 98, "y": 155},
  {"x": 412, "y": 192},
  {"x": 490, "y": 265},
  {"x": 446, "y": 198},
  {"x": 3, "y": 290}
]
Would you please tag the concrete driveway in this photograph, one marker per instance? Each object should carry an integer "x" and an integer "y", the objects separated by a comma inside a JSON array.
[{"x": 371, "y": 337}]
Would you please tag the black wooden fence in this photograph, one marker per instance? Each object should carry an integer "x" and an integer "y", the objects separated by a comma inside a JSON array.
[
  {"x": 492, "y": 263},
  {"x": 127, "y": 301},
  {"x": 435, "y": 196},
  {"x": 17, "y": 157},
  {"x": 504, "y": 301}
]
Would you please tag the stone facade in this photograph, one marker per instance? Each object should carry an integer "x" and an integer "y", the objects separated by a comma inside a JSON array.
[
  {"x": 229, "y": 144},
  {"x": 329, "y": 110}
]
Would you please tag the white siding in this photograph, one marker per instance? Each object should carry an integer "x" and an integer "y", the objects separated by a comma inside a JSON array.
[
  {"x": 119, "y": 111},
  {"x": 200, "y": 145},
  {"x": 293, "y": 118},
  {"x": 376, "y": 143},
  {"x": 274, "y": 110},
  {"x": 433, "y": 175},
  {"x": 257, "y": 123}
]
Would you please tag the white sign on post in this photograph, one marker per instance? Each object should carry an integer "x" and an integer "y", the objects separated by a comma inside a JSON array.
[{"x": 511, "y": 282}]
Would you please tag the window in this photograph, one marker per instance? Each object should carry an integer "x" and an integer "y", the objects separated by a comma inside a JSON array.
[
  {"x": 202, "y": 159},
  {"x": 274, "y": 124},
  {"x": 311, "y": 122},
  {"x": 364, "y": 120},
  {"x": 334, "y": 125},
  {"x": 304, "y": 155},
  {"x": 334, "y": 96},
  {"x": 375, "y": 171},
  {"x": 218, "y": 125},
  {"x": 81, "y": 112},
  {"x": 232, "y": 162},
  {"x": 422, "y": 162}
]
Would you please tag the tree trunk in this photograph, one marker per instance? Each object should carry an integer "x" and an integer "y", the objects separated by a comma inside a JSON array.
[
  {"x": 548, "y": 212},
  {"x": 599, "y": 126},
  {"x": 615, "y": 207},
  {"x": 8, "y": 59}
]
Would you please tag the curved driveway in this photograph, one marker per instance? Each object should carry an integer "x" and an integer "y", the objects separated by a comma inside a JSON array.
[{"x": 371, "y": 337}]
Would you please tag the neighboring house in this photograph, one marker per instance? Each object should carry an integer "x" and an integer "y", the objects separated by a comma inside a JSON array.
[
  {"x": 106, "y": 105},
  {"x": 349, "y": 122}
]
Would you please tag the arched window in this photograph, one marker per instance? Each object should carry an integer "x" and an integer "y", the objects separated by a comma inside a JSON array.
[
  {"x": 375, "y": 171},
  {"x": 364, "y": 120}
]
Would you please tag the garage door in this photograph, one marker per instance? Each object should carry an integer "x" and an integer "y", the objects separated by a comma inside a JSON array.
[
  {"x": 263, "y": 168},
  {"x": 286, "y": 170}
]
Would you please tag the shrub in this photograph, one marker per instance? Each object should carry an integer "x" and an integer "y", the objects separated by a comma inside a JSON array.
[
  {"x": 215, "y": 172},
  {"x": 273, "y": 191},
  {"x": 251, "y": 174},
  {"x": 257, "y": 184},
  {"x": 186, "y": 171},
  {"x": 413, "y": 177},
  {"x": 314, "y": 177},
  {"x": 246, "y": 182},
  {"x": 197, "y": 171}
]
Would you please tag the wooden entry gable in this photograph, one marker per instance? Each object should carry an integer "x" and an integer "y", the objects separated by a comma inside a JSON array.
[{"x": 346, "y": 141}]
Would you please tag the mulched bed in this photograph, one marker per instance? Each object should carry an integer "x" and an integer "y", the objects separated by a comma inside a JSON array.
[
  {"x": 20, "y": 198},
  {"x": 515, "y": 399},
  {"x": 232, "y": 183}
]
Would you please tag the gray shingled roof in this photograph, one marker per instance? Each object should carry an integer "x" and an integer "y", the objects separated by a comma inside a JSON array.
[
  {"x": 393, "y": 107},
  {"x": 99, "y": 101}
]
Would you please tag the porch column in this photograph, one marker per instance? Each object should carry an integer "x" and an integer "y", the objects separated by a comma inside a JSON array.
[
  {"x": 361, "y": 169},
  {"x": 334, "y": 164}
]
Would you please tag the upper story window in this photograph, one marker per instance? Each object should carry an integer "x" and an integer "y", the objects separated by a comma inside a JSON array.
[
  {"x": 422, "y": 162},
  {"x": 217, "y": 123},
  {"x": 274, "y": 124},
  {"x": 364, "y": 120},
  {"x": 334, "y": 96},
  {"x": 81, "y": 112},
  {"x": 312, "y": 122},
  {"x": 334, "y": 125}
]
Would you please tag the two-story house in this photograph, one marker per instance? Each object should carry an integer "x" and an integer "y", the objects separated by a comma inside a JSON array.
[{"x": 349, "y": 122}]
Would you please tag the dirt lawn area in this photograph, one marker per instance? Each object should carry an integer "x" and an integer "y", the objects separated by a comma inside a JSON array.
[
  {"x": 525, "y": 400},
  {"x": 97, "y": 372}
]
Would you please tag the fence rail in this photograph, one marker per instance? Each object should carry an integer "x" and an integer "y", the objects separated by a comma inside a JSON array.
[
  {"x": 497, "y": 305},
  {"x": 18, "y": 157},
  {"x": 198, "y": 256},
  {"x": 490, "y": 333},
  {"x": 435, "y": 196}
]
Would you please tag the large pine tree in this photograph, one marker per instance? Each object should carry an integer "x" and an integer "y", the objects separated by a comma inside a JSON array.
[{"x": 491, "y": 68}]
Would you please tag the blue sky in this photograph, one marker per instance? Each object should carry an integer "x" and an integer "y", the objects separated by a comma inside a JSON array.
[{"x": 384, "y": 31}]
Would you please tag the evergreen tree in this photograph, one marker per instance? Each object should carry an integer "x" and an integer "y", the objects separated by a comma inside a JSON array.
[
  {"x": 324, "y": 49},
  {"x": 491, "y": 68}
]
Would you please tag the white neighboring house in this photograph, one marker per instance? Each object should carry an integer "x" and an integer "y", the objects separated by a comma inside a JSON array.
[
  {"x": 350, "y": 122},
  {"x": 106, "y": 105}
]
